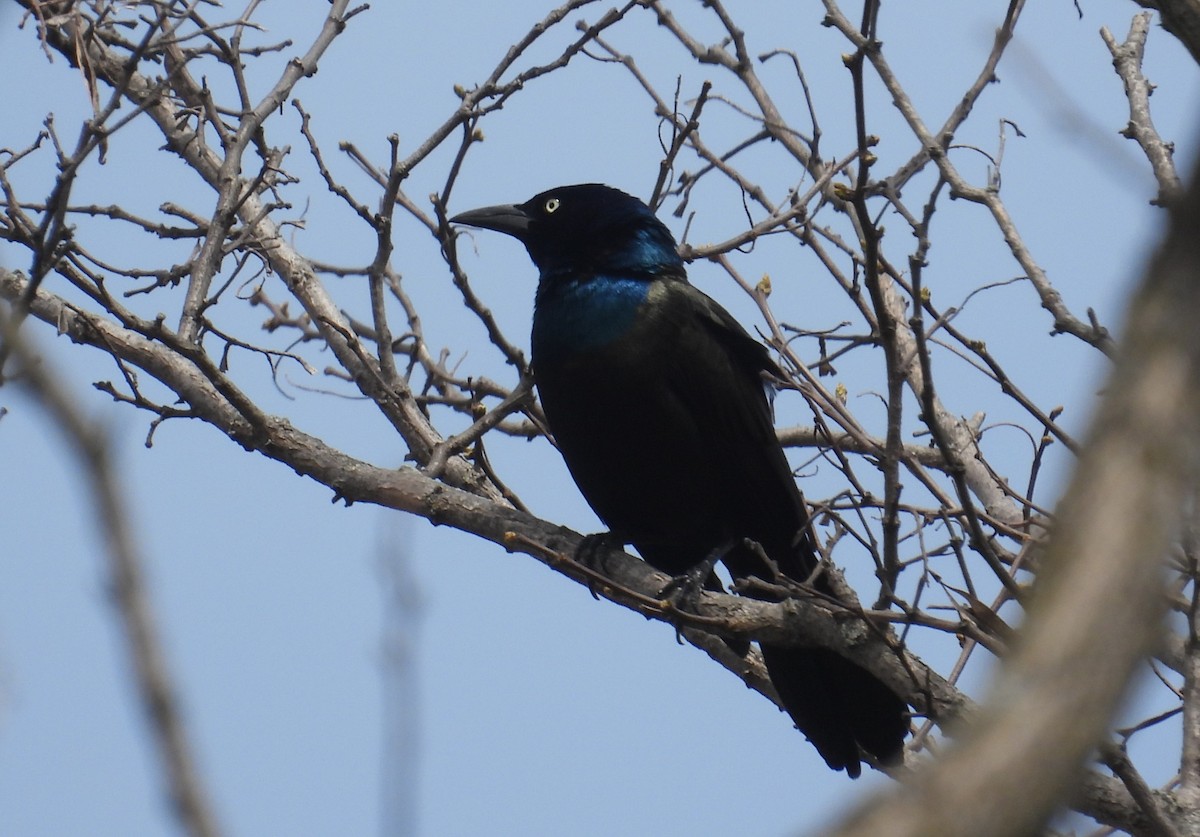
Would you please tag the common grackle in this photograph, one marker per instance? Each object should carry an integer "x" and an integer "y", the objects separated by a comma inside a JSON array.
[{"x": 656, "y": 398}]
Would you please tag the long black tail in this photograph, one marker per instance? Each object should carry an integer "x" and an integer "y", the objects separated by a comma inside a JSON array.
[{"x": 839, "y": 706}]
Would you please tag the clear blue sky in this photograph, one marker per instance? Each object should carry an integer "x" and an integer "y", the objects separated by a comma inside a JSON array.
[{"x": 537, "y": 711}]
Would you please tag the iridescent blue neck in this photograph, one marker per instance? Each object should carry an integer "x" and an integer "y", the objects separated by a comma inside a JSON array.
[
  {"x": 580, "y": 313},
  {"x": 587, "y": 298},
  {"x": 650, "y": 249}
]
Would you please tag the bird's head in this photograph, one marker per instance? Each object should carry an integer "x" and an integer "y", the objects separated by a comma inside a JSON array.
[{"x": 588, "y": 228}]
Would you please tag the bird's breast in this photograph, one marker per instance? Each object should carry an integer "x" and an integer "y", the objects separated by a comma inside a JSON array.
[{"x": 583, "y": 314}]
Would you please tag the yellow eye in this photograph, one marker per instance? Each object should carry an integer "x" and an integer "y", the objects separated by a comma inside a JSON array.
[{"x": 551, "y": 205}]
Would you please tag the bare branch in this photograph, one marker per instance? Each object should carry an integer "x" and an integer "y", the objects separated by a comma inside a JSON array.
[{"x": 1127, "y": 59}]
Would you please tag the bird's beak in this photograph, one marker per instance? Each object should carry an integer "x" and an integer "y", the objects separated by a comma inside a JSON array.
[{"x": 506, "y": 218}]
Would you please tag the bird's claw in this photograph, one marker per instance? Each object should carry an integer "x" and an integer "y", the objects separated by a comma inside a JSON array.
[
  {"x": 683, "y": 591},
  {"x": 590, "y": 554}
]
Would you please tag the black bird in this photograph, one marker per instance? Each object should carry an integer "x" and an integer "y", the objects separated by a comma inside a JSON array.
[{"x": 657, "y": 400}]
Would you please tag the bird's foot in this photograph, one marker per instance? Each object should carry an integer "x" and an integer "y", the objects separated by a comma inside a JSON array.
[
  {"x": 591, "y": 553},
  {"x": 683, "y": 591}
]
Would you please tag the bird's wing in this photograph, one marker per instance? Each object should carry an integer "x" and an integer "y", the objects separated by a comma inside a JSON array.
[
  {"x": 749, "y": 352},
  {"x": 718, "y": 384}
]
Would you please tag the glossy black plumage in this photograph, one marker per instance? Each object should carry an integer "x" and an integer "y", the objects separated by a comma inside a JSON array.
[{"x": 655, "y": 396}]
